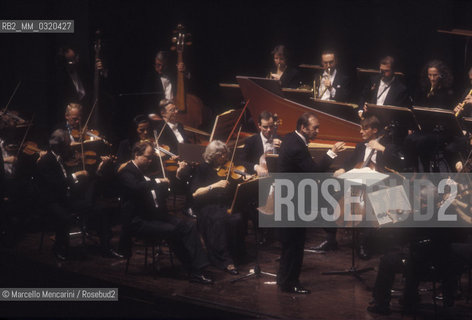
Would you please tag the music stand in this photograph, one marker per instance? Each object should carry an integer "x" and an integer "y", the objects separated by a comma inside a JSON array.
[
  {"x": 388, "y": 114},
  {"x": 353, "y": 270},
  {"x": 244, "y": 192},
  {"x": 430, "y": 120}
]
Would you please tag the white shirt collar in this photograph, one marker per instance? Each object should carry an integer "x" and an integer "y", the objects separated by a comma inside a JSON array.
[{"x": 301, "y": 136}]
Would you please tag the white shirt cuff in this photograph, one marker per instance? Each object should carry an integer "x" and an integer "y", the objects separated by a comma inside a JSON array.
[
  {"x": 331, "y": 154},
  {"x": 157, "y": 180}
]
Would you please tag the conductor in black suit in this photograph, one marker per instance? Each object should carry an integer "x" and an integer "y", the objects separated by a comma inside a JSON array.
[
  {"x": 266, "y": 141},
  {"x": 294, "y": 157},
  {"x": 385, "y": 88},
  {"x": 332, "y": 83},
  {"x": 145, "y": 214}
]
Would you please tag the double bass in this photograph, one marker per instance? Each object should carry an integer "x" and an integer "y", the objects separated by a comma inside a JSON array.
[{"x": 192, "y": 112}]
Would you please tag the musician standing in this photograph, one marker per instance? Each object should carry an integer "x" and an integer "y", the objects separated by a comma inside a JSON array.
[
  {"x": 294, "y": 157},
  {"x": 384, "y": 88},
  {"x": 332, "y": 84}
]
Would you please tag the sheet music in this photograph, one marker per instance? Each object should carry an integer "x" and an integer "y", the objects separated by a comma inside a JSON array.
[
  {"x": 364, "y": 176},
  {"x": 390, "y": 205}
]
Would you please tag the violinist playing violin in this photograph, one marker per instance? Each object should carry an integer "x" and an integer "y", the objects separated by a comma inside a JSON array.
[
  {"x": 141, "y": 131},
  {"x": 222, "y": 232},
  {"x": 173, "y": 132},
  {"x": 266, "y": 142},
  {"x": 58, "y": 195},
  {"x": 73, "y": 119}
]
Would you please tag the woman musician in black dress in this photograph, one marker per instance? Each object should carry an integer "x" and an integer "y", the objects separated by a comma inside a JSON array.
[{"x": 212, "y": 195}]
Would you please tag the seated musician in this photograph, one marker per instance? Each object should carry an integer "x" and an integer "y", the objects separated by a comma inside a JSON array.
[
  {"x": 141, "y": 131},
  {"x": 380, "y": 152},
  {"x": 73, "y": 119},
  {"x": 332, "y": 84},
  {"x": 57, "y": 189},
  {"x": 259, "y": 144},
  {"x": 145, "y": 214},
  {"x": 287, "y": 75},
  {"x": 463, "y": 108},
  {"x": 384, "y": 88},
  {"x": 435, "y": 89},
  {"x": 168, "y": 131},
  {"x": 221, "y": 231},
  {"x": 2, "y": 180}
]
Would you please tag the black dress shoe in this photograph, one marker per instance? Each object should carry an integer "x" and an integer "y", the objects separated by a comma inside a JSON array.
[
  {"x": 363, "y": 253},
  {"x": 378, "y": 309},
  {"x": 189, "y": 213},
  {"x": 200, "y": 278},
  {"x": 60, "y": 255},
  {"x": 110, "y": 253},
  {"x": 231, "y": 270},
  {"x": 296, "y": 289},
  {"x": 326, "y": 246}
]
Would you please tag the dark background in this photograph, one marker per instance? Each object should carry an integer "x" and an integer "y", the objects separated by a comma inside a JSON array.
[{"x": 229, "y": 38}]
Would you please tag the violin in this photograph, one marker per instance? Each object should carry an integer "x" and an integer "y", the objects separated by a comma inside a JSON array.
[
  {"x": 31, "y": 148},
  {"x": 237, "y": 172},
  {"x": 89, "y": 136},
  {"x": 171, "y": 165}
]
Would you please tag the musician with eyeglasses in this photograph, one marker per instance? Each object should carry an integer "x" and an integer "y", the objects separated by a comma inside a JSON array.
[{"x": 332, "y": 83}]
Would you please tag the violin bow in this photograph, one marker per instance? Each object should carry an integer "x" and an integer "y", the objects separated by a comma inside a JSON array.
[
  {"x": 156, "y": 138},
  {"x": 237, "y": 121},
  {"x": 232, "y": 156},
  {"x": 11, "y": 97},
  {"x": 24, "y": 136}
]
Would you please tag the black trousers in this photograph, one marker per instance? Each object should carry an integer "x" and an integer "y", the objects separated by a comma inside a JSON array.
[
  {"x": 390, "y": 264},
  {"x": 223, "y": 234},
  {"x": 291, "y": 260},
  {"x": 181, "y": 235}
]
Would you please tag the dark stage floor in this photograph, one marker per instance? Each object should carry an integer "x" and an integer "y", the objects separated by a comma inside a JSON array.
[{"x": 168, "y": 294}]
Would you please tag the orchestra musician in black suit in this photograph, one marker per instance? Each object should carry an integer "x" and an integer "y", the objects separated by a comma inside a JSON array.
[
  {"x": 294, "y": 157},
  {"x": 57, "y": 186},
  {"x": 288, "y": 76},
  {"x": 145, "y": 214},
  {"x": 160, "y": 83},
  {"x": 259, "y": 144},
  {"x": 173, "y": 132},
  {"x": 385, "y": 88},
  {"x": 332, "y": 83}
]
